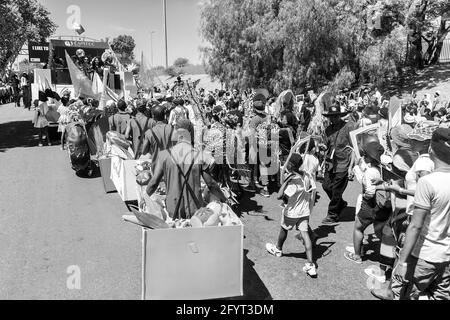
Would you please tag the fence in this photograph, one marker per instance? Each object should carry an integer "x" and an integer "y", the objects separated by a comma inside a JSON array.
[{"x": 445, "y": 52}]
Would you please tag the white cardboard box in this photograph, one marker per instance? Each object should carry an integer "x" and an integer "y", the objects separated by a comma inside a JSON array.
[
  {"x": 192, "y": 263},
  {"x": 123, "y": 175}
]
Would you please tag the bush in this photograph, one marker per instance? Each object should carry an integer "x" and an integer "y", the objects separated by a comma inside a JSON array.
[{"x": 173, "y": 71}]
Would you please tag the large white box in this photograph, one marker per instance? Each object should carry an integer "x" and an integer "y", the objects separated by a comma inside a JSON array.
[
  {"x": 123, "y": 175},
  {"x": 192, "y": 263}
]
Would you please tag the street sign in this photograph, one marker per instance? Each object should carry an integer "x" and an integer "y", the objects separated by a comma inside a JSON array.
[{"x": 38, "y": 52}]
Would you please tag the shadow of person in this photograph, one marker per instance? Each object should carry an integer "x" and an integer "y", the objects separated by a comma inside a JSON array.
[
  {"x": 323, "y": 231},
  {"x": 85, "y": 174},
  {"x": 18, "y": 134},
  {"x": 247, "y": 204},
  {"x": 319, "y": 251},
  {"x": 254, "y": 287},
  {"x": 347, "y": 214}
]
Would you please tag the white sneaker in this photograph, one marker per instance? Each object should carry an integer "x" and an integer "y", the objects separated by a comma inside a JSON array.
[
  {"x": 272, "y": 249},
  {"x": 376, "y": 273},
  {"x": 40, "y": 144},
  {"x": 310, "y": 269},
  {"x": 351, "y": 249}
]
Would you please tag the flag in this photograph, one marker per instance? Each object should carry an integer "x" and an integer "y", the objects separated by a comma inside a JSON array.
[
  {"x": 81, "y": 83},
  {"x": 106, "y": 92},
  {"x": 395, "y": 112},
  {"x": 97, "y": 84}
]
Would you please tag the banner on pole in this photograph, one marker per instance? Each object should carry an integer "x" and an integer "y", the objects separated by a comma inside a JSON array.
[{"x": 395, "y": 112}]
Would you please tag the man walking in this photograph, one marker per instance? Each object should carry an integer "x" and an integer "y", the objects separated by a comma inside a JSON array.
[
  {"x": 160, "y": 136},
  {"x": 339, "y": 161}
]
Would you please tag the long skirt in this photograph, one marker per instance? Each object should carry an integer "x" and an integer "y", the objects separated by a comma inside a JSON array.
[{"x": 27, "y": 97}]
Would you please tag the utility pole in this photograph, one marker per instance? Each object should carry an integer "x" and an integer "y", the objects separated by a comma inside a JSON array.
[
  {"x": 151, "y": 47},
  {"x": 165, "y": 31}
]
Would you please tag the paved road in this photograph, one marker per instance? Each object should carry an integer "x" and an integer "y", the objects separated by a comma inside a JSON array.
[{"x": 50, "y": 219}]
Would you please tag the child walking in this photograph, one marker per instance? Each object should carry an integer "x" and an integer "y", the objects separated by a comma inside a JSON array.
[
  {"x": 375, "y": 205},
  {"x": 298, "y": 193}
]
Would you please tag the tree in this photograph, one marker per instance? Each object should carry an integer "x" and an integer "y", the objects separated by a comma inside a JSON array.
[
  {"x": 420, "y": 19},
  {"x": 124, "y": 46},
  {"x": 181, "y": 62},
  {"x": 173, "y": 71},
  {"x": 21, "y": 21}
]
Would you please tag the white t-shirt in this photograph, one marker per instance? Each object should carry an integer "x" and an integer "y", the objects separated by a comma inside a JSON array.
[
  {"x": 433, "y": 194},
  {"x": 423, "y": 163},
  {"x": 369, "y": 188},
  {"x": 300, "y": 191}
]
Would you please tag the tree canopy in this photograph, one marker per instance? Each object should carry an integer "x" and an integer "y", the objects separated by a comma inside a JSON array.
[
  {"x": 297, "y": 44},
  {"x": 21, "y": 21},
  {"x": 124, "y": 46},
  {"x": 181, "y": 62}
]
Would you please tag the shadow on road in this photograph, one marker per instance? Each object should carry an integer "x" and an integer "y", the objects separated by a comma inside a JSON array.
[
  {"x": 254, "y": 288},
  {"x": 22, "y": 134},
  {"x": 320, "y": 250},
  {"x": 246, "y": 204},
  {"x": 348, "y": 214}
]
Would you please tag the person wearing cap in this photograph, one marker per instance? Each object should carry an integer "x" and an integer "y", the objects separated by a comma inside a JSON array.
[
  {"x": 374, "y": 209},
  {"x": 182, "y": 166},
  {"x": 424, "y": 261},
  {"x": 119, "y": 121},
  {"x": 339, "y": 161},
  {"x": 297, "y": 192},
  {"x": 403, "y": 156},
  {"x": 159, "y": 137},
  {"x": 138, "y": 126}
]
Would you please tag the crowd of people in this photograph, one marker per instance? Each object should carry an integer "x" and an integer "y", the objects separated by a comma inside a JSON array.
[
  {"x": 234, "y": 142},
  {"x": 13, "y": 89}
]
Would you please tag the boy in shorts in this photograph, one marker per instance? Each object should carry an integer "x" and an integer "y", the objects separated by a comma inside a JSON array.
[{"x": 298, "y": 193}]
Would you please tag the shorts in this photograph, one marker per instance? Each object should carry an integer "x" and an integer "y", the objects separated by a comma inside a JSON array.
[
  {"x": 370, "y": 213},
  {"x": 424, "y": 278},
  {"x": 300, "y": 224}
]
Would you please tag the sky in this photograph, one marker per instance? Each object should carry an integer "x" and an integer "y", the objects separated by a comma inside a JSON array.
[{"x": 137, "y": 18}]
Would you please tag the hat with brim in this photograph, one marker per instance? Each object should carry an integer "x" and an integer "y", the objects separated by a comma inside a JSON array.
[
  {"x": 423, "y": 131},
  {"x": 335, "y": 111},
  {"x": 409, "y": 119}
]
